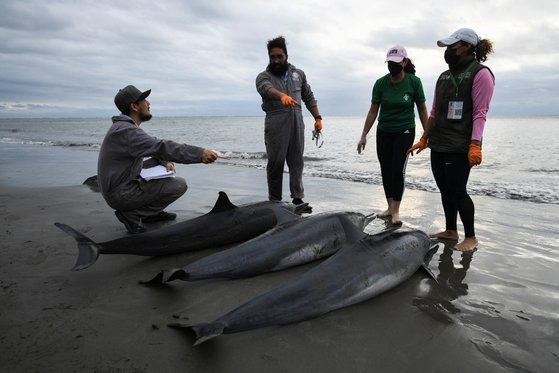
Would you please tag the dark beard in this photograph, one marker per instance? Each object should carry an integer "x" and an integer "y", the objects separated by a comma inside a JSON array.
[
  {"x": 145, "y": 117},
  {"x": 277, "y": 69}
]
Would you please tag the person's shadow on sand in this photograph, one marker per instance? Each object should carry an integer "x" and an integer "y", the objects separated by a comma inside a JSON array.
[{"x": 438, "y": 301}]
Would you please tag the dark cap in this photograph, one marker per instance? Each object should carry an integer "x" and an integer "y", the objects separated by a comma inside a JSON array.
[{"x": 129, "y": 95}]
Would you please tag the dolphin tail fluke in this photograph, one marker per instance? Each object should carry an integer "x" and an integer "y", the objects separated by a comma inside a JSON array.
[
  {"x": 88, "y": 249},
  {"x": 203, "y": 332}
]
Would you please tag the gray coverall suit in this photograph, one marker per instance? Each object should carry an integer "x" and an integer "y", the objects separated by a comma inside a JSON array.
[
  {"x": 121, "y": 158},
  {"x": 284, "y": 134}
]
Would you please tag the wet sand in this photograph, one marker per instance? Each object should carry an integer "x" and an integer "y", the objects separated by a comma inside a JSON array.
[{"x": 496, "y": 310}]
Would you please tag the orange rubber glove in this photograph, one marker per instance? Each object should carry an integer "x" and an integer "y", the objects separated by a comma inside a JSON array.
[
  {"x": 318, "y": 124},
  {"x": 474, "y": 155},
  {"x": 419, "y": 146},
  {"x": 286, "y": 100}
]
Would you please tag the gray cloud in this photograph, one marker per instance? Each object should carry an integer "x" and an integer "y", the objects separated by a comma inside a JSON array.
[{"x": 68, "y": 58}]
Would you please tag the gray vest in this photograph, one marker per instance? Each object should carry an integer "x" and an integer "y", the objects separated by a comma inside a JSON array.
[{"x": 454, "y": 135}]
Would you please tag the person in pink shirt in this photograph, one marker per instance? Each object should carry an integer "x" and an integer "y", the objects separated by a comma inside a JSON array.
[{"x": 454, "y": 130}]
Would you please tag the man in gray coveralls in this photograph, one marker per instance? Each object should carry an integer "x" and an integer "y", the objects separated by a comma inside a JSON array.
[
  {"x": 283, "y": 88},
  {"x": 121, "y": 159}
]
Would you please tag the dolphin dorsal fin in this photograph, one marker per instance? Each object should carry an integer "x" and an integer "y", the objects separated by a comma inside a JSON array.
[
  {"x": 222, "y": 204},
  {"x": 352, "y": 231},
  {"x": 283, "y": 215}
]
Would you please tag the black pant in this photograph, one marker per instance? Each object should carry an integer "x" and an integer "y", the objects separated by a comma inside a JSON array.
[
  {"x": 451, "y": 172},
  {"x": 391, "y": 153}
]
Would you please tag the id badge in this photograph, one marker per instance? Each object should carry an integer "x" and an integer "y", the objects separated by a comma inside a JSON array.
[{"x": 455, "y": 108}]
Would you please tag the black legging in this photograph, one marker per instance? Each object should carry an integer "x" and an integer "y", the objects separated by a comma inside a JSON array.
[
  {"x": 391, "y": 153},
  {"x": 451, "y": 172}
]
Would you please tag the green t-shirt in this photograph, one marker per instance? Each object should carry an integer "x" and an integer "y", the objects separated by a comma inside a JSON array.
[{"x": 397, "y": 102}]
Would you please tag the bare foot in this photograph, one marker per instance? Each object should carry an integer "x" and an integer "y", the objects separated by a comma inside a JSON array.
[
  {"x": 386, "y": 213},
  {"x": 446, "y": 235},
  {"x": 469, "y": 244},
  {"x": 396, "y": 219}
]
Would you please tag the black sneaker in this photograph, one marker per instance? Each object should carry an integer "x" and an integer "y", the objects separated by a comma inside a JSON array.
[
  {"x": 162, "y": 216},
  {"x": 301, "y": 206},
  {"x": 131, "y": 227},
  {"x": 297, "y": 201}
]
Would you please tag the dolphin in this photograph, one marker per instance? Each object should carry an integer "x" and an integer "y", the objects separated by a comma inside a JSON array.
[
  {"x": 354, "y": 274},
  {"x": 290, "y": 243},
  {"x": 224, "y": 224}
]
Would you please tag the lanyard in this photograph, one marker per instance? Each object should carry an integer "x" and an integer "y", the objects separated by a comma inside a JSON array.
[{"x": 462, "y": 78}]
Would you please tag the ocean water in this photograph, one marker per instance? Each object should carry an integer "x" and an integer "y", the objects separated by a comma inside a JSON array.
[{"x": 519, "y": 159}]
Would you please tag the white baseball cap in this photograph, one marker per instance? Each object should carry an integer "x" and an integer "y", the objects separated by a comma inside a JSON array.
[
  {"x": 464, "y": 34},
  {"x": 396, "y": 54}
]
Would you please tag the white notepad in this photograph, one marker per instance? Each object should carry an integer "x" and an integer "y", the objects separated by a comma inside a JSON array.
[{"x": 157, "y": 172}]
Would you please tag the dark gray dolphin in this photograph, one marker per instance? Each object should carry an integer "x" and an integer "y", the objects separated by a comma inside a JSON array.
[
  {"x": 288, "y": 244},
  {"x": 356, "y": 273},
  {"x": 224, "y": 224}
]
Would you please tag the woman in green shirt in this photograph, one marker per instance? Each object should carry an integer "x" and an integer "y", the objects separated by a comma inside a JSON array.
[{"x": 395, "y": 95}]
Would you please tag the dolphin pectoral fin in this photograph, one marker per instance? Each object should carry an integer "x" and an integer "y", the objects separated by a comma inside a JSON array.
[
  {"x": 431, "y": 252},
  {"x": 429, "y": 272},
  {"x": 203, "y": 332},
  {"x": 167, "y": 275},
  {"x": 175, "y": 274},
  {"x": 427, "y": 259},
  {"x": 206, "y": 332},
  {"x": 222, "y": 204},
  {"x": 88, "y": 249},
  {"x": 157, "y": 280}
]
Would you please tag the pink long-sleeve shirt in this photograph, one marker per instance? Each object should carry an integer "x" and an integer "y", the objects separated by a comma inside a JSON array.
[{"x": 482, "y": 92}]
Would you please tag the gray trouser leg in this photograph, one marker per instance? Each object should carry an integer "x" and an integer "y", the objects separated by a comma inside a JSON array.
[
  {"x": 295, "y": 161},
  {"x": 284, "y": 139},
  {"x": 276, "y": 138},
  {"x": 138, "y": 200}
]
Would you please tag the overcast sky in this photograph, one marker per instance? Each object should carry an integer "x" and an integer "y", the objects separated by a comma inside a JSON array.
[{"x": 201, "y": 57}]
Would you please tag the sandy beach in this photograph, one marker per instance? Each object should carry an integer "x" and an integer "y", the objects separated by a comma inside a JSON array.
[{"x": 496, "y": 310}]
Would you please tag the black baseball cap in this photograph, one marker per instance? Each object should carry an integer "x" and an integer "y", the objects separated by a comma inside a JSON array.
[{"x": 129, "y": 95}]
